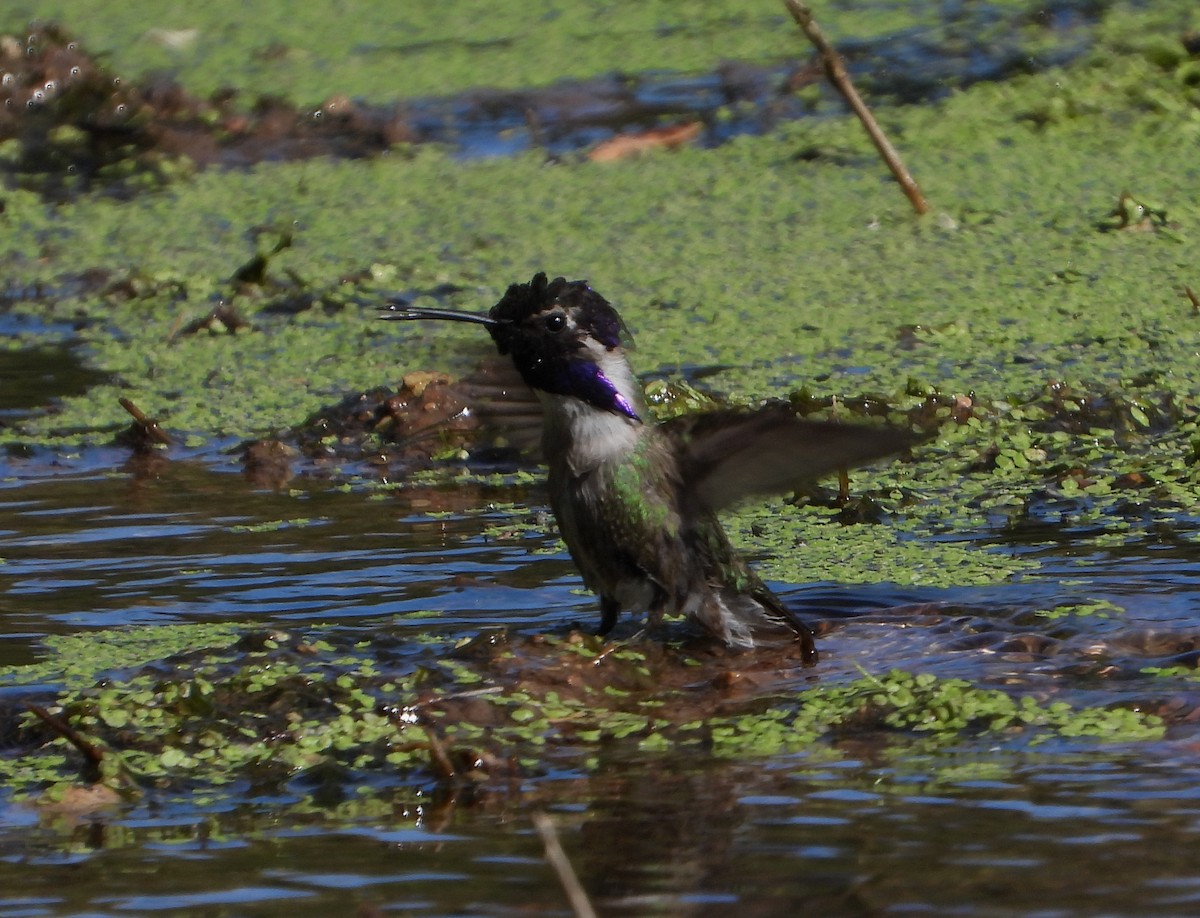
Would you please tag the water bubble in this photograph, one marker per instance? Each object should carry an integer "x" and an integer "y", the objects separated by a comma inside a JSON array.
[
  {"x": 116, "y": 81},
  {"x": 7, "y": 80},
  {"x": 51, "y": 86},
  {"x": 121, "y": 108},
  {"x": 75, "y": 71},
  {"x": 72, "y": 45}
]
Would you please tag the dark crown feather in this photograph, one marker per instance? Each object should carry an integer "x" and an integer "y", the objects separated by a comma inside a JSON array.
[{"x": 594, "y": 312}]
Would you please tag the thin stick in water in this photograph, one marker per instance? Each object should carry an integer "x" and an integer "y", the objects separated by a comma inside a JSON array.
[
  {"x": 836, "y": 71},
  {"x": 557, "y": 858}
]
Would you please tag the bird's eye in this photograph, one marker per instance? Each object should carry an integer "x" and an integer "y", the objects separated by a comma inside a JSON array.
[{"x": 556, "y": 322}]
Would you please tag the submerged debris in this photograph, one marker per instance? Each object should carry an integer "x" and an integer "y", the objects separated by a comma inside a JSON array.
[
  {"x": 424, "y": 419},
  {"x": 78, "y": 125},
  {"x": 145, "y": 434},
  {"x": 1135, "y": 215}
]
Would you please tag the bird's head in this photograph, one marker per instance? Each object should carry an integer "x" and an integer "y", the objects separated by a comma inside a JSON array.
[{"x": 564, "y": 338}]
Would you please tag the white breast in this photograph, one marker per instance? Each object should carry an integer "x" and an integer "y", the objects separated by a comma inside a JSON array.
[{"x": 584, "y": 436}]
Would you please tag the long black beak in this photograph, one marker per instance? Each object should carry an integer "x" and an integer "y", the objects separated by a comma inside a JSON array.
[{"x": 400, "y": 311}]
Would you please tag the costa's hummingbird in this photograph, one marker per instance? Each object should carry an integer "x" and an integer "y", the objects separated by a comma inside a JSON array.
[{"x": 635, "y": 501}]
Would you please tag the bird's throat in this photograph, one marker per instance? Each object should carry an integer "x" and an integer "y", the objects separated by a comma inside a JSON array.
[
  {"x": 590, "y": 383},
  {"x": 582, "y": 437}
]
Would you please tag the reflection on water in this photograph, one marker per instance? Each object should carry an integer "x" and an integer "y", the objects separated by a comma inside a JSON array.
[
  {"x": 193, "y": 545},
  {"x": 1078, "y": 833},
  {"x": 1058, "y": 828}
]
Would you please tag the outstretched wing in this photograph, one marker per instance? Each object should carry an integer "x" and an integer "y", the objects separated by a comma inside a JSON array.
[
  {"x": 729, "y": 455},
  {"x": 505, "y": 405}
]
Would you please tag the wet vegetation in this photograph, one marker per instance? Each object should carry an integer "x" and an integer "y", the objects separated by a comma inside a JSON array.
[{"x": 277, "y": 707}]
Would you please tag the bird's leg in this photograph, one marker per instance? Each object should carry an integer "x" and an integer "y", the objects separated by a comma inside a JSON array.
[
  {"x": 610, "y": 610},
  {"x": 654, "y": 615}
]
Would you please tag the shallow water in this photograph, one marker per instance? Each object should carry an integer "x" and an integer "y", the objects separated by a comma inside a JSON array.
[
  {"x": 1061, "y": 834},
  {"x": 860, "y": 827}
]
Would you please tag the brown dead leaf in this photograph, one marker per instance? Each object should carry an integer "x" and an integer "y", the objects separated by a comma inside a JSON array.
[
  {"x": 80, "y": 801},
  {"x": 624, "y": 146}
]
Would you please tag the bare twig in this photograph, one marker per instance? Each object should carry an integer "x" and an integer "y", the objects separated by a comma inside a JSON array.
[
  {"x": 438, "y": 757},
  {"x": 147, "y": 425},
  {"x": 1195, "y": 300},
  {"x": 557, "y": 858},
  {"x": 93, "y": 753},
  {"x": 836, "y": 71}
]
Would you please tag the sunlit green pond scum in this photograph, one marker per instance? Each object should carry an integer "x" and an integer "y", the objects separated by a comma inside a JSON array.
[
  {"x": 358, "y": 49},
  {"x": 1026, "y": 579}
]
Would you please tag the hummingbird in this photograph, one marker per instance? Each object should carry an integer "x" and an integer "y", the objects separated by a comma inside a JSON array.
[{"x": 636, "y": 501}]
